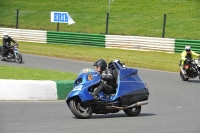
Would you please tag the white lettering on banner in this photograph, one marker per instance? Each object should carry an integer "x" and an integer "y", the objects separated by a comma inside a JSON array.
[{"x": 61, "y": 17}]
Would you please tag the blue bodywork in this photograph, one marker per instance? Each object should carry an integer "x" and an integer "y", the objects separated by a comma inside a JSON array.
[
  {"x": 130, "y": 88},
  {"x": 81, "y": 87}
]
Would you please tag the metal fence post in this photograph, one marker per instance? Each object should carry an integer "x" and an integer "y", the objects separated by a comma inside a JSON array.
[
  {"x": 164, "y": 23},
  {"x": 57, "y": 26},
  {"x": 17, "y": 14},
  {"x": 107, "y": 21}
]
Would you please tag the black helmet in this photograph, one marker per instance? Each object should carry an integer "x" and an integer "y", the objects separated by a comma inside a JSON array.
[{"x": 102, "y": 63}]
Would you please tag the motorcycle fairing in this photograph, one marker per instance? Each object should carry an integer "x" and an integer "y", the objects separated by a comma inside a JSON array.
[{"x": 81, "y": 83}]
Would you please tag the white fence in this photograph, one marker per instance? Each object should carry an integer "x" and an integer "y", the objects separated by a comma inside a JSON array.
[
  {"x": 140, "y": 43},
  {"x": 38, "y": 36},
  {"x": 111, "y": 41}
]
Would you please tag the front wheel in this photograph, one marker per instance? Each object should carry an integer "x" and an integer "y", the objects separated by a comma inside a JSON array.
[
  {"x": 18, "y": 58},
  {"x": 80, "y": 110},
  {"x": 183, "y": 77},
  {"x": 134, "y": 111}
]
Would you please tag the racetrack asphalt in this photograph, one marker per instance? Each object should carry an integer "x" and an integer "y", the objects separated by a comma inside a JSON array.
[{"x": 173, "y": 106}]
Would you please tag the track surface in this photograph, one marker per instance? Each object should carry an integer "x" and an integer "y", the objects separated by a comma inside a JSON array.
[{"x": 173, "y": 106}]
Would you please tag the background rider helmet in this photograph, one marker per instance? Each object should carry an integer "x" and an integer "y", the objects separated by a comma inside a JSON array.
[
  {"x": 187, "y": 49},
  {"x": 5, "y": 35}
]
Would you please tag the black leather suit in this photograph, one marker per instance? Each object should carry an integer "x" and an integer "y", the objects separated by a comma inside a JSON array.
[
  {"x": 6, "y": 44},
  {"x": 107, "y": 83}
]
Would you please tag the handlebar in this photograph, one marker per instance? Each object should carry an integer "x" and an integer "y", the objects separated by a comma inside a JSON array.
[{"x": 15, "y": 44}]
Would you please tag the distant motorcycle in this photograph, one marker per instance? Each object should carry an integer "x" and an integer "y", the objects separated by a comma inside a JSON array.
[
  {"x": 130, "y": 95},
  {"x": 12, "y": 54},
  {"x": 191, "y": 69}
]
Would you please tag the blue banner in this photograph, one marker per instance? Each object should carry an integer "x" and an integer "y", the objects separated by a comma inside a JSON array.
[{"x": 61, "y": 17}]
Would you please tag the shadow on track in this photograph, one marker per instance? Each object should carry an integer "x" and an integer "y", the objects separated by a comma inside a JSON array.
[
  {"x": 100, "y": 116},
  {"x": 13, "y": 61},
  {"x": 193, "y": 81}
]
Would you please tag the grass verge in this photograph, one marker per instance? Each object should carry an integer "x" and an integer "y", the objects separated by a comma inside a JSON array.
[{"x": 138, "y": 59}]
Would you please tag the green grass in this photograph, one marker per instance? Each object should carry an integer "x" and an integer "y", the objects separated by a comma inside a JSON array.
[
  {"x": 136, "y": 59},
  {"x": 130, "y": 17},
  {"x": 10, "y": 72},
  {"x": 142, "y": 59},
  {"x": 127, "y": 17}
]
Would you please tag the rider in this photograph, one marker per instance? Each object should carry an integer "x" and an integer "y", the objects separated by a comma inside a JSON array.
[
  {"x": 6, "y": 44},
  {"x": 187, "y": 53},
  {"x": 107, "y": 83}
]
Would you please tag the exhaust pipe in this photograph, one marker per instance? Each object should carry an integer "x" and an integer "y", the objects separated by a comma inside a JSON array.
[
  {"x": 133, "y": 105},
  {"x": 136, "y": 104}
]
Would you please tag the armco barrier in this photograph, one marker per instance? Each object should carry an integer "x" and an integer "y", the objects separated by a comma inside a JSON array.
[
  {"x": 181, "y": 43},
  {"x": 38, "y": 36},
  {"x": 140, "y": 43},
  {"x": 75, "y": 38},
  {"x": 34, "y": 89},
  {"x": 109, "y": 41}
]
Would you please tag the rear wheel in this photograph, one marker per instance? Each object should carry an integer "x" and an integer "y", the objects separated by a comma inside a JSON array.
[
  {"x": 183, "y": 77},
  {"x": 80, "y": 110},
  {"x": 134, "y": 111},
  {"x": 18, "y": 58},
  {"x": 0, "y": 53}
]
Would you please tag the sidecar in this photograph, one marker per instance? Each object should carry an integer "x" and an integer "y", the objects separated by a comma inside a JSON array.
[
  {"x": 131, "y": 88},
  {"x": 131, "y": 93}
]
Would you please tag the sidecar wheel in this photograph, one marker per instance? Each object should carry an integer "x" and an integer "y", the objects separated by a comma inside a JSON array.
[
  {"x": 135, "y": 111},
  {"x": 80, "y": 110},
  {"x": 18, "y": 58},
  {"x": 182, "y": 77}
]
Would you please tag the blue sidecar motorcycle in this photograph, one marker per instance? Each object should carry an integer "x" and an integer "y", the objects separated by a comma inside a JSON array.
[{"x": 131, "y": 93}]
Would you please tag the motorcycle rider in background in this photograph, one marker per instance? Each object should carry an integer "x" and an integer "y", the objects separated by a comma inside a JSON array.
[
  {"x": 6, "y": 45},
  {"x": 187, "y": 53},
  {"x": 107, "y": 83}
]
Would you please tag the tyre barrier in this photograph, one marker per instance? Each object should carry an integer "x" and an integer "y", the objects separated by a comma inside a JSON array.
[{"x": 34, "y": 89}]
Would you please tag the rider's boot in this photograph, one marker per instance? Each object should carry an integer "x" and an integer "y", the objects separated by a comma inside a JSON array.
[
  {"x": 96, "y": 91},
  {"x": 3, "y": 58},
  {"x": 94, "y": 96},
  {"x": 180, "y": 63}
]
